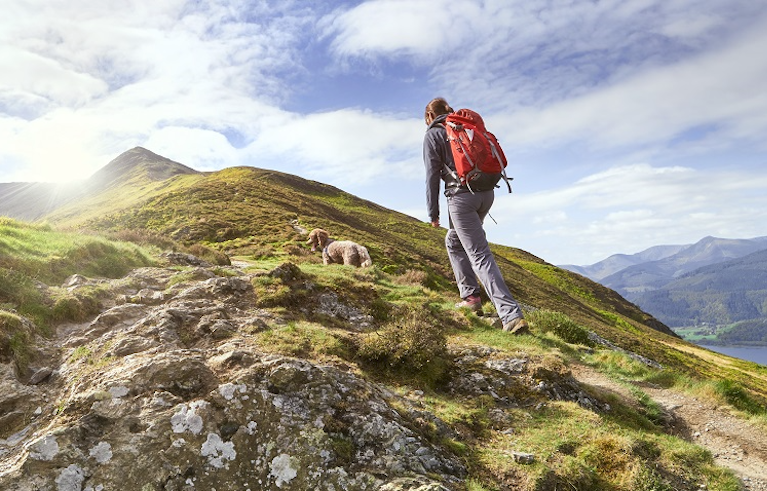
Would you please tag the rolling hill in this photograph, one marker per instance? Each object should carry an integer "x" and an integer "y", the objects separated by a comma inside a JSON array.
[
  {"x": 250, "y": 211},
  {"x": 262, "y": 368},
  {"x": 618, "y": 262}
]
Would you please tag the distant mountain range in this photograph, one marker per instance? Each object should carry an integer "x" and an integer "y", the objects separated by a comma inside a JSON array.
[
  {"x": 619, "y": 262},
  {"x": 713, "y": 282}
]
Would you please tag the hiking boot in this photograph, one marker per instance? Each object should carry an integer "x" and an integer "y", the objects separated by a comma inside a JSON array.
[
  {"x": 472, "y": 302},
  {"x": 517, "y": 326}
]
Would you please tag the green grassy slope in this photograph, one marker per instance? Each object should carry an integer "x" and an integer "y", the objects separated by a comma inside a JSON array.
[
  {"x": 624, "y": 449},
  {"x": 257, "y": 215},
  {"x": 252, "y": 212}
]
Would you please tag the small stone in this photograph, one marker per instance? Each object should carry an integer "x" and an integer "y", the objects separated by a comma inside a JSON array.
[
  {"x": 40, "y": 375},
  {"x": 523, "y": 458}
]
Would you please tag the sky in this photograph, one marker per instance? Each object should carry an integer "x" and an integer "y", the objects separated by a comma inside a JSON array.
[{"x": 627, "y": 123}]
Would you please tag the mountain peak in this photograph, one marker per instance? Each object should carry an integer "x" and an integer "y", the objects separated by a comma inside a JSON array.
[{"x": 139, "y": 160}]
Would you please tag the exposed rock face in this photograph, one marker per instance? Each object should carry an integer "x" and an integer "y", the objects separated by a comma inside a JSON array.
[
  {"x": 157, "y": 392},
  {"x": 167, "y": 421},
  {"x": 166, "y": 391}
]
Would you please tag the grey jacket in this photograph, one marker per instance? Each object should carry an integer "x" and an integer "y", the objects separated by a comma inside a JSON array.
[{"x": 437, "y": 154}]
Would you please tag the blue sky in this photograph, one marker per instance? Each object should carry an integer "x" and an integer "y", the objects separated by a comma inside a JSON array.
[{"x": 627, "y": 124}]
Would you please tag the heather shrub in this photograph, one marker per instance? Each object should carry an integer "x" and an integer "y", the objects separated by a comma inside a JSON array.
[{"x": 412, "y": 343}]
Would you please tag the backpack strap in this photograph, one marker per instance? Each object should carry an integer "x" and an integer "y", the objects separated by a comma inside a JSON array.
[
  {"x": 453, "y": 173},
  {"x": 497, "y": 155}
]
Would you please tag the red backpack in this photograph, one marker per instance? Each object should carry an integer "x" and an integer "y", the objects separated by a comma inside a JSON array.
[{"x": 479, "y": 159}]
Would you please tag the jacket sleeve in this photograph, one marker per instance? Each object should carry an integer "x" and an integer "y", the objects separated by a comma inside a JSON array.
[{"x": 433, "y": 151}]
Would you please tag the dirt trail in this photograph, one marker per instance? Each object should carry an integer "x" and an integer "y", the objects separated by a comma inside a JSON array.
[{"x": 735, "y": 444}]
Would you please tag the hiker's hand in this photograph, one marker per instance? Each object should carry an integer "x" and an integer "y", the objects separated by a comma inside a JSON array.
[{"x": 435, "y": 224}]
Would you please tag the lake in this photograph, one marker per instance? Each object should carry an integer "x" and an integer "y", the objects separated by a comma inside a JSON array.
[{"x": 755, "y": 354}]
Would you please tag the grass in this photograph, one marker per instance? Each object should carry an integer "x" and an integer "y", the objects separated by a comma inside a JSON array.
[
  {"x": 732, "y": 394},
  {"x": 40, "y": 253},
  {"x": 625, "y": 449},
  {"x": 259, "y": 214},
  {"x": 578, "y": 449},
  {"x": 560, "y": 325},
  {"x": 621, "y": 366},
  {"x": 723, "y": 391},
  {"x": 254, "y": 215},
  {"x": 15, "y": 340},
  {"x": 561, "y": 279},
  {"x": 407, "y": 347},
  {"x": 306, "y": 340},
  {"x": 34, "y": 261},
  {"x": 696, "y": 334}
]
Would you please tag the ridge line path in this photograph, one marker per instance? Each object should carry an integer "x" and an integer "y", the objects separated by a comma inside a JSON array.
[{"x": 735, "y": 443}]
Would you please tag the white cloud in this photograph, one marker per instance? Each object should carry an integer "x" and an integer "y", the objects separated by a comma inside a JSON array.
[
  {"x": 31, "y": 75},
  {"x": 202, "y": 150},
  {"x": 87, "y": 81},
  {"x": 389, "y": 27},
  {"x": 690, "y": 27},
  {"x": 722, "y": 88},
  {"x": 632, "y": 207},
  {"x": 567, "y": 86},
  {"x": 350, "y": 146}
]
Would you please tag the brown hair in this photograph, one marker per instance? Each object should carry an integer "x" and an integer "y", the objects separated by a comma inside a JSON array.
[{"x": 436, "y": 107}]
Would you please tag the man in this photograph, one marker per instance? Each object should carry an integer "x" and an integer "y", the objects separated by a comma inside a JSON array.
[{"x": 466, "y": 242}]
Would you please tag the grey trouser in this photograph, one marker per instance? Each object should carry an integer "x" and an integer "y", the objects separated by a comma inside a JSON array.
[{"x": 470, "y": 254}]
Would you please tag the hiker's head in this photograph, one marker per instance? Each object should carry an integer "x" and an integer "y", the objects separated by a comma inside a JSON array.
[{"x": 437, "y": 107}]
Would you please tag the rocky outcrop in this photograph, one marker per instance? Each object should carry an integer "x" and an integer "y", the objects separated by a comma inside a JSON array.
[
  {"x": 170, "y": 421},
  {"x": 166, "y": 390}
]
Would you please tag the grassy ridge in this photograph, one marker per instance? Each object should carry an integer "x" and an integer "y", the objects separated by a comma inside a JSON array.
[
  {"x": 255, "y": 213},
  {"x": 623, "y": 449},
  {"x": 258, "y": 216},
  {"x": 40, "y": 252}
]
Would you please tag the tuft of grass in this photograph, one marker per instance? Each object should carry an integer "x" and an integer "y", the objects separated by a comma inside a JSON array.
[
  {"x": 208, "y": 254},
  {"x": 413, "y": 277},
  {"x": 344, "y": 448},
  {"x": 738, "y": 397},
  {"x": 608, "y": 454},
  {"x": 15, "y": 340},
  {"x": 560, "y": 325},
  {"x": 620, "y": 366},
  {"x": 307, "y": 340},
  {"x": 474, "y": 485},
  {"x": 648, "y": 407},
  {"x": 646, "y": 478},
  {"x": 77, "y": 305},
  {"x": 18, "y": 291},
  {"x": 276, "y": 292}
]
